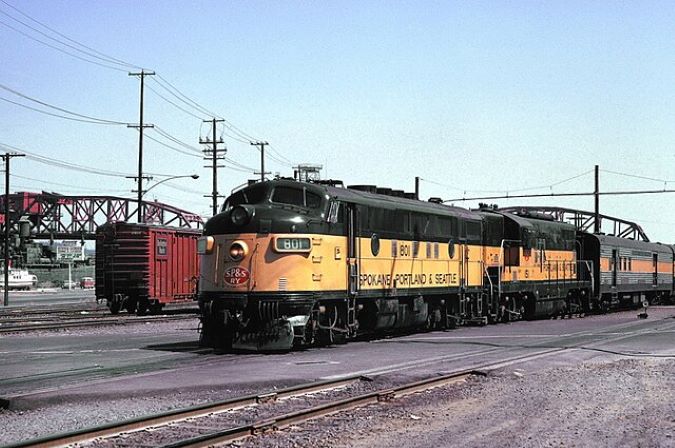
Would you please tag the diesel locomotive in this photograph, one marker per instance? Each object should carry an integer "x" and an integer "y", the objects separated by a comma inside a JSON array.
[{"x": 289, "y": 263}]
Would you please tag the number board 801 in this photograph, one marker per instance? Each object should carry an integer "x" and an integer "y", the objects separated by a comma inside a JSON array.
[{"x": 292, "y": 244}]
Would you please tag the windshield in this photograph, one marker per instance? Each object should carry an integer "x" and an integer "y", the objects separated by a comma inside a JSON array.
[
  {"x": 251, "y": 195},
  {"x": 296, "y": 196}
]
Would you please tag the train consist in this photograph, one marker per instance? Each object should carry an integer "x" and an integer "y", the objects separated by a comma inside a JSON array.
[
  {"x": 290, "y": 263},
  {"x": 141, "y": 267}
]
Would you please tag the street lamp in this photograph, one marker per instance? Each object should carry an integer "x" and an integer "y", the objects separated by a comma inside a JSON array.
[
  {"x": 140, "y": 203},
  {"x": 193, "y": 176}
]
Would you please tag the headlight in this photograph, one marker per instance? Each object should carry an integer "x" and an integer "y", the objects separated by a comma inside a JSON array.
[
  {"x": 205, "y": 245},
  {"x": 240, "y": 216},
  {"x": 238, "y": 250}
]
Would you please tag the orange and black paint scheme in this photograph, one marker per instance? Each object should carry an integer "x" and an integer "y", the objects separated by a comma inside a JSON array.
[{"x": 289, "y": 263}]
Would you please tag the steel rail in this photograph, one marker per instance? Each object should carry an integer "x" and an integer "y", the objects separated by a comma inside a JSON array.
[
  {"x": 286, "y": 420},
  {"x": 112, "y": 429},
  {"x": 301, "y": 416},
  {"x": 90, "y": 323},
  {"x": 103, "y": 310}
]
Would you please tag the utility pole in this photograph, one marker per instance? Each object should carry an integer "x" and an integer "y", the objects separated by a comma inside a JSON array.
[
  {"x": 417, "y": 188},
  {"x": 213, "y": 152},
  {"x": 596, "y": 193},
  {"x": 6, "y": 158},
  {"x": 262, "y": 159},
  {"x": 140, "y": 127}
]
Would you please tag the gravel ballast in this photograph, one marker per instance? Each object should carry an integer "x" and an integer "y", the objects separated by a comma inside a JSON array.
[{"x": 622, "y": 403}]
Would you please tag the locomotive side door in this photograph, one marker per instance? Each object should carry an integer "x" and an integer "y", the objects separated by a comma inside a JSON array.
[
  {"x": 352, "y": 250},
  {"x": 353, "y": 275}
]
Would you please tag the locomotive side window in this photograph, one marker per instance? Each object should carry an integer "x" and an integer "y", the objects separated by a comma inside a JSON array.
[
  {"x": 473, "y": 231},
  {"x": 334, "y": 212},
  {"x": 420, "y": 224}
]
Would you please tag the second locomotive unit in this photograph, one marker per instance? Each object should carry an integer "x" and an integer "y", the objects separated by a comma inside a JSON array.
[{"x": 290, "y": 263}]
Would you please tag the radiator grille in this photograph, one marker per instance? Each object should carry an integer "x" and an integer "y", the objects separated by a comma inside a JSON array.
[{"x": 283, "y": 284}]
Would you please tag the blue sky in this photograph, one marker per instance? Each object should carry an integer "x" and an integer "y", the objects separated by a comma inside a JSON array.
[{"x": 474, "y": 96}]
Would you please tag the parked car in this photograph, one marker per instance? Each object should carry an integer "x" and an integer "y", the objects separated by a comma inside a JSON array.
[
  {"x": 69, "y": 285},
  {"x": 87, "y": 283}
]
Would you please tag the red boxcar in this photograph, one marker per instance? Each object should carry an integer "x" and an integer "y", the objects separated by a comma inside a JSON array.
[{"x": 141, "y": 266}]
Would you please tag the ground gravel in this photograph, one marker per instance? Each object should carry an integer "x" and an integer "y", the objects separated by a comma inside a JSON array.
[{"x": 616, "y": 404}]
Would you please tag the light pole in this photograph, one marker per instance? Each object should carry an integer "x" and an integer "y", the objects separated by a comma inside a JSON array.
[{"x": 140, "y": 203}]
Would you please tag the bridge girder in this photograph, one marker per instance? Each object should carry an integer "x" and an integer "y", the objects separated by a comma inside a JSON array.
[
  {"x": 57, "y": 216},
  {"x": 585, "y": 221}
]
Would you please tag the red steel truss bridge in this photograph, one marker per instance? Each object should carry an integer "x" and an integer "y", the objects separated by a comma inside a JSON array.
[
  {"x": 585, "y": 221},
  {"x": 55, "y": 216}
]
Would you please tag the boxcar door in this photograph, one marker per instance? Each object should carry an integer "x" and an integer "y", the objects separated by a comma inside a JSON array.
[{"x": 162, "y": 256}]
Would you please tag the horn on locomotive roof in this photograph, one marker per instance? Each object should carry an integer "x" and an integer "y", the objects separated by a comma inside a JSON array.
[{"x": 329, "y": 182}]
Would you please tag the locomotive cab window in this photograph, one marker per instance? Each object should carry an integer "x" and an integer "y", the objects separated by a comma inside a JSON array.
[
  {"x": 290, "y": 196},
  {"x": 299, "y": 197},
  {"x": 254, "y": 194}
]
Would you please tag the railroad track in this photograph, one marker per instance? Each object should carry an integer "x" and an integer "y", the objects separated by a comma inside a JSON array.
[
  {"x": 234, "y": 419},
  {"x": 221, "y": 422},
  {"x": 89, "y": 307},
  {"x": 73, "y": 322},
  {"x": 45, "y": 310}
]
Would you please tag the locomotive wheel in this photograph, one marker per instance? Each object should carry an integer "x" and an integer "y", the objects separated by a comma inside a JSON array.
[
  {"x": 156, "y": 308},
  {"x": 506, "y": 316},
  {"x": 215, "y": 335},
  {"x": 130, "y": 306},
  {"x": 114, "y": 307},
  {"x": 142, "y": 307},
  {"x": 327, "y": 336}
]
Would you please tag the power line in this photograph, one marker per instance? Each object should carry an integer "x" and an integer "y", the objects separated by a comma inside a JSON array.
[
  {"x": 268, "y": 155},
  {"x": 101, "y": 56},
  {"x": 93, "y": 56},
  {"x": 64, "y": 164},
  {"x": 89, "y": 54},
  {"x": 602, "y": 193},
  {"x": 637, "y": 177},
  {"x": 550, "y": 186},
  {"x": 60, "y": 49},
  {"x": 183, "y": 189},
  {"x": 173, "y": 103},
  {"x": 173, "y": 148},
  {"x": 278, "y": 153},
  {"x": 240, "y": 135},
  {"x": 176, "y": 140},
  {"x": 166, "y": 85},
  {"x": 63, "y": 185},
  {"x": 60, "y": 109},
  {"x": 74, "y": 166},
  {"x": 235, "y": 168},
  {"x": 65, "y": 117},
  {"x": 232, "y": 162}
]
